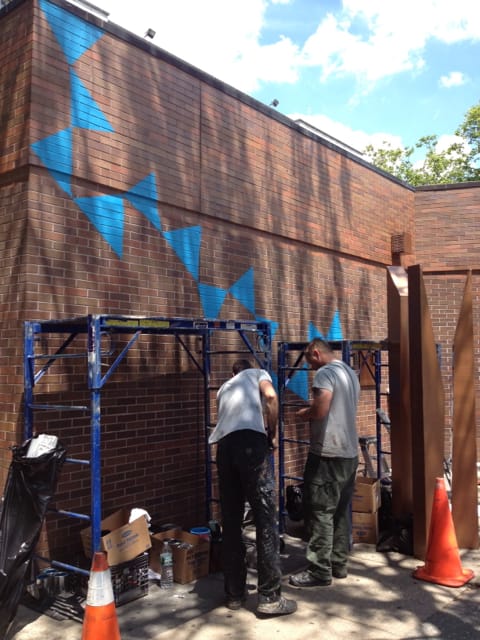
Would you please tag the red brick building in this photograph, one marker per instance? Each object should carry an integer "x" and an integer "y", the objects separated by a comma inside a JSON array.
[{"x": 132, "y": 183}]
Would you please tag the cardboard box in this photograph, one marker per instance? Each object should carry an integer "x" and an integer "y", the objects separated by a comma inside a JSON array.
[
  {"x": 365, "y": 527},
  {"x": 191, "y": 554},
  {"x": 366, "y": 497},
  {"x": 122, "y": 540}
]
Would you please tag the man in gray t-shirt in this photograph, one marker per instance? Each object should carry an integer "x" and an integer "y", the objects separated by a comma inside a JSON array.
[
  {"x": 335, "y": 434},
  {"x": 331, "y": 466},
  {"x": 245, "y": 473}
]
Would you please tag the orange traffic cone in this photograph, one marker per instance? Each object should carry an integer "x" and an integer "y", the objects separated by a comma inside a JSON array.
[
  {"x": 100, "y": 620},
  {"x": 442, "y": 564}
]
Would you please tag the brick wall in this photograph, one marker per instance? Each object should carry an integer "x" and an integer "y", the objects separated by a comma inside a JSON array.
[
  {"x": 15, "y": 74},
  {"x": 134, "y": 184},
  {"x": 447, "y": 237}
]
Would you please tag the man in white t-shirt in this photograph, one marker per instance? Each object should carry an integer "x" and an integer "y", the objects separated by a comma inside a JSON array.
[
  {"x": 245, "y": 473},
  {"x": 330, "y": 468}
]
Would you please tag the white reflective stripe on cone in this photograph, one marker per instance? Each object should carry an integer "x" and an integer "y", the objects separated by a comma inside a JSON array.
[{"x": 100, "y": 590}]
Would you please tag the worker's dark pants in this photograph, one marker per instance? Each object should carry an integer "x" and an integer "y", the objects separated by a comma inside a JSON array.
[
  {"x": 245, "y": 473},
  {"x": 328, "y": 488}
]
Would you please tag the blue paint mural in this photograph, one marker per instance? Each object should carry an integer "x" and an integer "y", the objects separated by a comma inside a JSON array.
[
  {"x": 74, "y": 35},
  {"x": 55, "y": 152},
  {"x": 85, "y": 112},
  {"x": 143, "y": 196},
  {"x": 334, "y": 333},
  {"x": 244, "y": 290},
  {"x": 186, "y": 244},
  {"x": 107, "y": 212},
  {"x": 212, "y": 299}
]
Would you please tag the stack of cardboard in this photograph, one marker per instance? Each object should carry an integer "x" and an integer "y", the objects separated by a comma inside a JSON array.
[{"x": 365, "y": 506}]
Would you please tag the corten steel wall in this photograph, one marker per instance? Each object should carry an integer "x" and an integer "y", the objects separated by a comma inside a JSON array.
[
  {"x": 447, "y": 237},
  {"x": 135, "y": 184}
]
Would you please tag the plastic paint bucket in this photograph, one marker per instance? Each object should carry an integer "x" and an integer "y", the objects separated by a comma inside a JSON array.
[{"x": 202, "y": 532}]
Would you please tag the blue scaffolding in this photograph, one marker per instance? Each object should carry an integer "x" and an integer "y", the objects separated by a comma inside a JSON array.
[{"x": 255, "y": 340}]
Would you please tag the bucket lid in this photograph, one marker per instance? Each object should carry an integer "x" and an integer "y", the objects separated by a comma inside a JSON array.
[{"x": 200, "y": 531}]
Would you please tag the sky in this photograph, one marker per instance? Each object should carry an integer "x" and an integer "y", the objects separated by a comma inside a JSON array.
[{"x": 362, "y": 71}]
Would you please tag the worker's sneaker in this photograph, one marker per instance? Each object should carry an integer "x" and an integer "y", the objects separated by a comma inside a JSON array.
[
  {"x": 235, "y": 603},
  {"x": 307, "y": 579},
  {"x": 279, "y": 606}
]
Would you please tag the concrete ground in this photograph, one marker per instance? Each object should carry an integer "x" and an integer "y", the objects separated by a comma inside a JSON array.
[{"x": 379, "y": 600}]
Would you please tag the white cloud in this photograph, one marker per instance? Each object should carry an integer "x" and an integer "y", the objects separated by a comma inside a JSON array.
[
  {"x": 217, "y": 36},
  {"x": 362, "y": 46},
  {"x": 378, "y": 39},
  {"x": 446, "y": 141},
  {"x": 453, "y": 79},
  {"x": 354, "y": 138},
  {"x": 365, "y": 40},
  {"x": 271, "y": 63}
]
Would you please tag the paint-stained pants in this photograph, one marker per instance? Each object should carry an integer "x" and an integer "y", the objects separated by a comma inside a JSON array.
[
  {"x": 245, "y": 473},
  {"x": 327, "y": 492}
]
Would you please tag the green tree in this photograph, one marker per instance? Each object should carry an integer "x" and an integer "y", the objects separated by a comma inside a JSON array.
[
  {"x": 469, "y": 130},
  {"x": 460, "y": 162}
]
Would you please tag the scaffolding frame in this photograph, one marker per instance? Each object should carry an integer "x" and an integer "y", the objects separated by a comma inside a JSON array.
[
  {"x": 364, "y": 349},
  {"x": 255, "y": 336}
]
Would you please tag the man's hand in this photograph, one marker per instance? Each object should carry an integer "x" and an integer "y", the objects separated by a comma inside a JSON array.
[
  {"x": 319, "y": 407},
  {"x": 303, "y": 414},
  {"x": 271, "y": 440}
]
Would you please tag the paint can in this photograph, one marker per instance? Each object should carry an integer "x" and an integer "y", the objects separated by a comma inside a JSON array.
[{"x": 202, "y": 532}]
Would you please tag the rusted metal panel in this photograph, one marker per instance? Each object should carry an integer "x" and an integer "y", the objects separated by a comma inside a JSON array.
[
  {"x": 427, "y": 409},
  {"x": 464, "y": 450},
  {"x": 399, "y": 392}
]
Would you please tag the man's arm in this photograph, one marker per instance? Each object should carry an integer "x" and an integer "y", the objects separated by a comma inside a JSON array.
[
  {"x": 271, "y": 407},
  {"x": 319, "y": 407}
]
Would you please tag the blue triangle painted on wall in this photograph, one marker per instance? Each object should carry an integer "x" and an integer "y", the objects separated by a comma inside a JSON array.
[
  {"x": 313, "y": 332},
  {"x": 143, "y": 196},
  {"x": 106, "y": 214},
  {"x": 74, "y": 35},
  {"x": 335, "y": 332},
  {"x": 86, "y": 114},
  {"x": 186, "y": 244},
  {"x": 244, "y": 290},
  {"x": 56, "y": 154},
  {"x": 298, "y": 383},
  {"x": 212, "y": 299}
]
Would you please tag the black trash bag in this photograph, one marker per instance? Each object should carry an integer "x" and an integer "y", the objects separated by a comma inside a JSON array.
[
  {"x": 399, "y": 537},
  {"x": 385, "y": 515},
  {"x": 30, "y": 485},
  {"x": 294, "y": 503}
]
